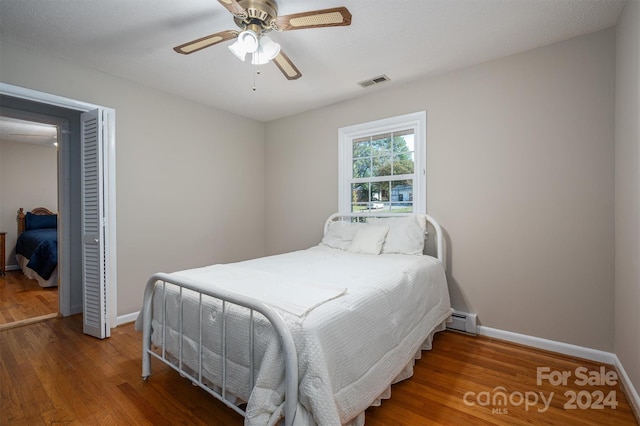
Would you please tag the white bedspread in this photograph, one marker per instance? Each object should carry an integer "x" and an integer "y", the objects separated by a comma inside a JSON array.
[
  {"x": 351, "y": 345},
  {"x": 297, "y": 296}
]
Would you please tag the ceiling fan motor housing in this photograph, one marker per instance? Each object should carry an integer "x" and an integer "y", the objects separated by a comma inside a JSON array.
[{"x": 260, "y": 12}]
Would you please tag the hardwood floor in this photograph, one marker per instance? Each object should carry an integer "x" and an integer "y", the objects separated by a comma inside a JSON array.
[
  {"x": 22, "y": 299},
  {"x": 50, "y": 373}
]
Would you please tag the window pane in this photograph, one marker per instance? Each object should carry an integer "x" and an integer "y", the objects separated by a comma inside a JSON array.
[
  {"x": 403, "y": 140},
  {"x": 403, "y": 149},
  {"x": 361, "y": 148},
  {"x": 402, "y": 146},
  {"x": 360, "y": 193},
  {"x": 402, "y": 195},
  {"x": 402, "y": 165},
  {"x": 380, "y": 191},
  {"x": 381, "y": 144},
  {"x": 402, "y": 208},
  {"x": 381, "y": 166},
  {"x": 362, "y": 168}
]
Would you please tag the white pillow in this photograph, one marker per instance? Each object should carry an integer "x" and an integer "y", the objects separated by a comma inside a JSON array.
[
  {"x": 339, "y": 234},
  {"x": 369, "y": 239},
  {"x": 406, "y": 234}
]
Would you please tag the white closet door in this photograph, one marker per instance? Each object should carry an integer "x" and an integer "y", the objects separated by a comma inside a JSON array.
[{"x": 94, "y": 230}]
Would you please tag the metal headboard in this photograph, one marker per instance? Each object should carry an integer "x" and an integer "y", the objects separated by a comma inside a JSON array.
[{"x": 439, "y": 237}]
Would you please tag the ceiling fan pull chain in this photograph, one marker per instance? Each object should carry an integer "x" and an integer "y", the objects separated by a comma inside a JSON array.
[
  {"x": 256, "y": 71},
  {"x": 256, "y": 67}
]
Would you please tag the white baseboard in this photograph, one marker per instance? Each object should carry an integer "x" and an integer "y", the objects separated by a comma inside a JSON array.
[
  {"x": 630, "y": 390},
  {"x": 11, "y": 268},
  {"x": 571, "y": 350},
  {"x": 549, "y": 345},
  {"x": 125, "y": 319}
]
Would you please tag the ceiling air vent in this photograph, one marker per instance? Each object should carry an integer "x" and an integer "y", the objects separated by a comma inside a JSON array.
[{"x": 374, "y": 80}]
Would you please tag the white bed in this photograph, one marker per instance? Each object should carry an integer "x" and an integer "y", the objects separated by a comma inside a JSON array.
[{"x": 343, "y": 326}]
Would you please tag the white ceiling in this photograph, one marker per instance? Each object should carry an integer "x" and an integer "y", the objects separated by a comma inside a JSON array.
[{"x": 404, "y": 39}]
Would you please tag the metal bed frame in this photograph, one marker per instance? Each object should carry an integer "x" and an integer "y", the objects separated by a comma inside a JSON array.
[{"x": 159, "y": 281}]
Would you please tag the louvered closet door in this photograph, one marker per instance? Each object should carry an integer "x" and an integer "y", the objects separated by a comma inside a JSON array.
[{"x": 93, "y": 227}]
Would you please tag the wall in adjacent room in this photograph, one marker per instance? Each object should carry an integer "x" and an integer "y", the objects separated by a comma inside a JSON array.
[{"x": 28, "y": 179}]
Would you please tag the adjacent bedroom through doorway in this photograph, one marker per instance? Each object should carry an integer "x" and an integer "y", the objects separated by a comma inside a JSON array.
[{"x": 28, "y": 180}]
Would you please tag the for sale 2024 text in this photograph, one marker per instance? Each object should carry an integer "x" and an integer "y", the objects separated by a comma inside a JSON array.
[{"x": 582, "y": 376}]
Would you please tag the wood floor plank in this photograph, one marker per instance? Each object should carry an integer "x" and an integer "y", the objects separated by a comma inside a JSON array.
[
  {"x": 51, "y": 373},
  {"x": 22, "y": 299}
]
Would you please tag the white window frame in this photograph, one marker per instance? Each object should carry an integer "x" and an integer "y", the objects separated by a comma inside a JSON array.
[{"x": 346, "y": 135}]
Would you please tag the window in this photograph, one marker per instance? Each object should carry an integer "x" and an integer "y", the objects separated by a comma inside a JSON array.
[{"x": 382, "y": 165}]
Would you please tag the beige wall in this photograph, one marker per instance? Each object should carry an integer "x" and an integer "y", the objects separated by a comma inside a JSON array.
[
  {"x": 627, "y": 192},
  {"x": 28, "y": 179},
  {"x": 189, "y": 177},
  {"x": 519, "y": 174}
]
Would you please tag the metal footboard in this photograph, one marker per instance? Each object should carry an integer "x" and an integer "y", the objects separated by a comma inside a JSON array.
[{"x": 226, "y": 298}]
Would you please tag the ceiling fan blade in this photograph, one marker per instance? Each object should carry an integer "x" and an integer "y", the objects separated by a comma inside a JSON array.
[
  {"x": 286, "y": 66},
  {"x": 201, "y": 43},
  {"x": 233, "y": 6},
  {"x": 334, "y": 17}
]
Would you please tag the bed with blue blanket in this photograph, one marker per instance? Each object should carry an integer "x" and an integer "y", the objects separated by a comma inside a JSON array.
[{"x": 37, "y": 246}]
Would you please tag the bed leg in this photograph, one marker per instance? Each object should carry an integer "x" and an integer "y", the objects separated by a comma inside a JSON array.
[
  {"x": 146, "y": 366},
  {"x": 146, "y": 357},
  {"x": 146, "y": 328}
]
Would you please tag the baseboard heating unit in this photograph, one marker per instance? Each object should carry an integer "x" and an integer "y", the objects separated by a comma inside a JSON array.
[{"x": 463, "y": 321}]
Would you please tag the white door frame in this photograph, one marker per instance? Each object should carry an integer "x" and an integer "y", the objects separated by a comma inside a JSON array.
[{"x": 110, "y": 187}]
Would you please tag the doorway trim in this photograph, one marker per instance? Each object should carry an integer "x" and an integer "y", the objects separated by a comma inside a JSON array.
[{"x": 110, "y": 188}]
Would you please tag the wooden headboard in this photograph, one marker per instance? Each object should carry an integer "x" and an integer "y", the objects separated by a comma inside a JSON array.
[{"x": 21, "y": 216}]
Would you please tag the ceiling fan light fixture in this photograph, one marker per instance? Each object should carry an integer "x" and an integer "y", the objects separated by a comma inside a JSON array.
[
  {"x": 247, "y": 42},
  {"x": 257, "y": 17},
  {"x": 236, "y": 50},
  {"x": 267, "y": 50}
]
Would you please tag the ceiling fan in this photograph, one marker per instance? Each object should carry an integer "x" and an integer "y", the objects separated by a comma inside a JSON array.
[{"x": 255, "y": 18}]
